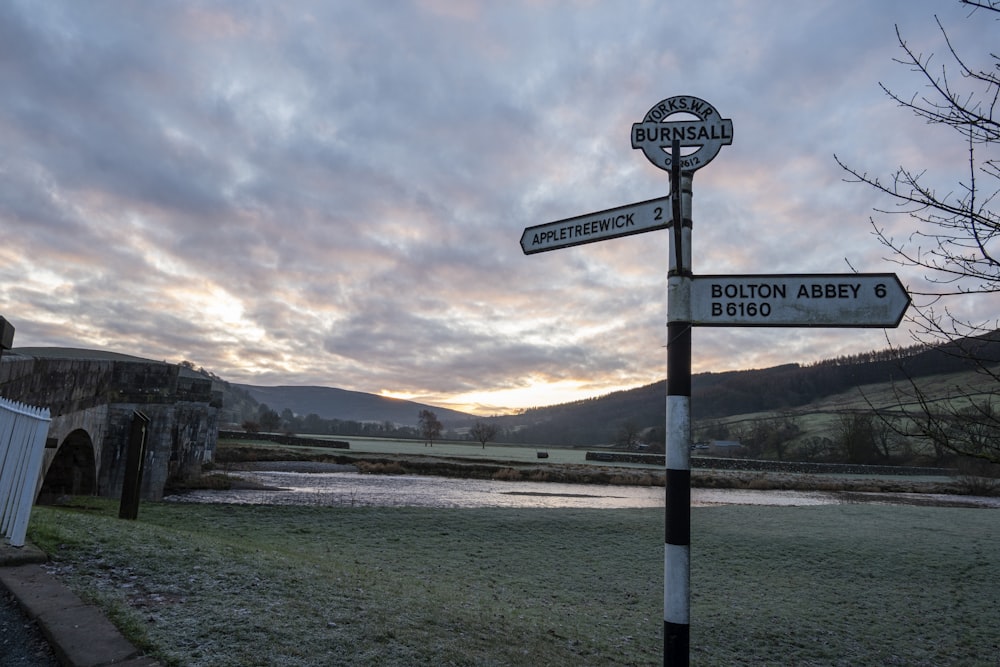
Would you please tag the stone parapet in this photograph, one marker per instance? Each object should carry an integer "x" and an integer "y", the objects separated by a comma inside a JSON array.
[{"x": 92, "y": 396}]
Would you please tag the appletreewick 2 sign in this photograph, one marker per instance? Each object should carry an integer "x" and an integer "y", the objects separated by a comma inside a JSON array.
[{"x": 681, "y": 135}]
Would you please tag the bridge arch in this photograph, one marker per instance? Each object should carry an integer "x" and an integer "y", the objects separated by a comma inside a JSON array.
[
  {"x": 92, "y": 395},
  {"x": 73, "y": 470}
]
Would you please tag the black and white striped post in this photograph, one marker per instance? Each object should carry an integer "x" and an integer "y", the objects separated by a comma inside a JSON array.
[
  {"x": 857, "y": 300},
  {"x": 661, "y": 135},
  {"x": 677, "y": 523}
]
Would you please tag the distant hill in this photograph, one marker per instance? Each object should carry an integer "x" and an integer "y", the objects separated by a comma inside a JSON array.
[
  {"x": 718, "y": 395},
  {"x": 598, "y": 420},
  {"x": 332, "y": 403}
]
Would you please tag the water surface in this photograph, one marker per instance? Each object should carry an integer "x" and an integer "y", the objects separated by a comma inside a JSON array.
[{"x": 363, "y": 490}]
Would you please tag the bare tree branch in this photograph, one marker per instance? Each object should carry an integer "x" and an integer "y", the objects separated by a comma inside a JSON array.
[{"x": 955, "y": 240}]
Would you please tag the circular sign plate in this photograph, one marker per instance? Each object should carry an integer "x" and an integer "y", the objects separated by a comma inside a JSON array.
[{"x": 707, "y": 132}]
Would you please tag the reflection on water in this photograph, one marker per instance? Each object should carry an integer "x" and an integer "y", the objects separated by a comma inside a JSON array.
[
  {"x": 355, "y": 489},
  {"x": 707, "y": 497}
]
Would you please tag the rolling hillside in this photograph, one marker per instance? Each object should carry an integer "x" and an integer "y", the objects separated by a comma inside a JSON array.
[
  {"x": 721, "y": 396},
  {"x": 332, "y": 403},
  {"x": 823, "y": 388}
]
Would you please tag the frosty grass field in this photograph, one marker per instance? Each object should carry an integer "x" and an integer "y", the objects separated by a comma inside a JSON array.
[{"x": 261, "y": 585}]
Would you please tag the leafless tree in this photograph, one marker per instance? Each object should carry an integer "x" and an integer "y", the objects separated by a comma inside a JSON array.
[
  {"x": 955, "y": 239},
  {"x": 430, "y": 427},
  {"x": 483, "y": 432},
  {"x": 856, "y": 437},
  {"x": 628, "y": 436}
]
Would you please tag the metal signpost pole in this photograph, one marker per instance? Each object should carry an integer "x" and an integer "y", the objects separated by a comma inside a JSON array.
[
  {"x": 660, "y": 135},
  {"x": 677, "y": 500}
]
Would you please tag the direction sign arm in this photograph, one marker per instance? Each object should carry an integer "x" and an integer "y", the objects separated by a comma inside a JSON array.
[
  {"x": 607, "y": 224},
  {"x": 876, "y": 300}
]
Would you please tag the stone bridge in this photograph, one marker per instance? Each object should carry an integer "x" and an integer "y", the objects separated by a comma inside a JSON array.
[{"x": 92, "y": 396}]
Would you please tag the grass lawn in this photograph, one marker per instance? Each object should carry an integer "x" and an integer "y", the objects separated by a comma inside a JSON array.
[{"x": 258, "y": 585}]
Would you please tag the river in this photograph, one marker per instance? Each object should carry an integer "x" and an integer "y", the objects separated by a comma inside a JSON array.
[{"x": 352, "y": 489}]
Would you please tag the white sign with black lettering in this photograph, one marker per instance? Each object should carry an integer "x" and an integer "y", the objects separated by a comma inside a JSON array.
[
  {"x": 612, "y": 223},
  {"x": 671, "y": 119},
  {"x": 817, "y": 300}
]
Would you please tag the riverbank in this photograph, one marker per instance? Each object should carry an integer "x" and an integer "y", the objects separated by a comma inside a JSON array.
[{"x": 233, "y": 456}]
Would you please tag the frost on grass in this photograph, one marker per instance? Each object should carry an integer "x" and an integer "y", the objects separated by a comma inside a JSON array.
[
  {"x": 215, "y": 586},
  {"x": 218, "y": 585}
]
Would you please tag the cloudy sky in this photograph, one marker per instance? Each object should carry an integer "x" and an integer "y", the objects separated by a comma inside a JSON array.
[{"x": 333, "y": 193}]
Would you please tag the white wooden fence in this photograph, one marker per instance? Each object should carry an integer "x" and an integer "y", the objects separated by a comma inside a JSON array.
[{"x": 22, "y": 442}]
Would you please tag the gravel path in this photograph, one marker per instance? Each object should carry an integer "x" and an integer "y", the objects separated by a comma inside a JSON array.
[{"x": 21, "y": 642}]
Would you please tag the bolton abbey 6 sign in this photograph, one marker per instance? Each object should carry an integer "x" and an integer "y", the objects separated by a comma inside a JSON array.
[
  {"x": 681, "y": 135},
  {"x": 818, "y": 300}
]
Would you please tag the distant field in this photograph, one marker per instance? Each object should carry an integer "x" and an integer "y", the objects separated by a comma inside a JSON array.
[
  {"x": 249, "y": 586},
  {"x": 468, "y": 450},
  {"x": 821, "y": 418},
  {"x": 472, "y": 451}
]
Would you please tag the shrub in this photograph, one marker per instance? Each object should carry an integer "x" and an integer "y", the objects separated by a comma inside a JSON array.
[
  {"x": 974, "y": 485},
  {"x": 507, "y": 475}
]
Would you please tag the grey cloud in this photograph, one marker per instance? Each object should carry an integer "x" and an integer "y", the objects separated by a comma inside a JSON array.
[{"x": 333, "y": 193}]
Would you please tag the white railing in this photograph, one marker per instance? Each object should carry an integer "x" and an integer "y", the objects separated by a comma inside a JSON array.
[{"x": 22, "y": 442}]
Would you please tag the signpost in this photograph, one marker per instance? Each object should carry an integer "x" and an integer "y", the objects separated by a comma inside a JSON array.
[
  {"x": 681, "y": 135},
  {"x": 819, "y": 300}
]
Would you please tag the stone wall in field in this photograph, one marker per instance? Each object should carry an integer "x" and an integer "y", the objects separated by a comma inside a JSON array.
[
  {"x": 283, "y": 439},
  {"x": 751, "y": 465}
]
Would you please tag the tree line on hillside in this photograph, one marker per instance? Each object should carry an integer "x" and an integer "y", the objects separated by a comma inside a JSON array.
[
  {"x": 602, "y": 420},
  {"x": 856, "y": 437},
  {"x": 270, "y": 421},
  {"x": 789, "y": 386},
  {"x": 429, "y": 428},
  {"x": 635, "y": 416}
]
